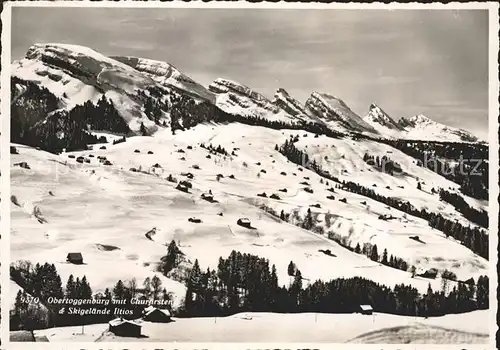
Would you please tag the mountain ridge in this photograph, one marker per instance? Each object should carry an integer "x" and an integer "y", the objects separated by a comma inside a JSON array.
[
  {"x": 77, "y": 74},
  {"x": 336, "y": 113}
]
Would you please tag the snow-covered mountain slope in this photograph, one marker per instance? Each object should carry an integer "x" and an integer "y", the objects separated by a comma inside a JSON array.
[
  {"x": 466, "y": 328},
  {"x": 239, "y": 99},
  {"x": 285, "y": 101},
  {"x": 420, "y": 127},
  {"x": 343, "y": 159},
  {"x": 166, "y": 74},
  {"x": 76, "y": 74},
  {"x": 382, "y": 122},
  {"x": 336, "y": 114},
  {"x": 90, "y": 205}
]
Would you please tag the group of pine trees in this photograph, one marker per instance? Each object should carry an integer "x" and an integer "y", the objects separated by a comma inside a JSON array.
[
  {"x": 245, "y": 282},
  {"x": 241, "y": 282},
  {"x": 371, "y": 251},
  {"x": 479, "y": 217},
  {"x": 33, "y": 309},
  {"x": 383, "y": 163},
  {"x": 301, "y": 158},
  {"x": 153, "y": 109},
  {"x": 219, "y": 149},
  {"x": 172, "y": 259},
  {"x": 33, "y": 125},
  {"x": 185, "y": 112},
  {"x": 42, "y": 282},
  {"x": 120, "y": 140},
  {"x": 296, "y": 155},
  {"x": 30, "y": 105}
]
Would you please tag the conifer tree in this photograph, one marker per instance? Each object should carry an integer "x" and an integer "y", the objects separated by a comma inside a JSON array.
[
  {"x": 147, "y": 286},
  {"x": 384, "y": 257},
  {"x": 413, "y": 271},
  {"x": 291, "y": 269},
  {"x": 171, "y": 259},
  {"x": 70, "y": 288},
  {"x": 193, "y": 287},
  {"x": 374, "y": 253},
  {"x": 156, "y": 286},
  {"x": 357, "y": 249},
  {"x": 143, "y": 130},
  {"x": 85, "y": 291},
  {"x": 119, "y": 291}
]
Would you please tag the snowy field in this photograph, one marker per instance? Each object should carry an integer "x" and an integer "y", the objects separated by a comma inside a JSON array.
[
  {"x": 90, "y": 206},
  {"x": 379, "y": 328}
]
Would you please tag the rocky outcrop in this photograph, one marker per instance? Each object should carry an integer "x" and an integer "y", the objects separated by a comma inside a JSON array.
[
  {"x": 283, "y": 100},
  {"x": 239, "y": 99},
  {"x": 377, "y": 118},
  {"x": 167, "y": 75},
  {"x": 335, "y": 113}
]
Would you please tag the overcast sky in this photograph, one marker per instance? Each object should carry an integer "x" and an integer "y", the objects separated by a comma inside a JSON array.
[{"x": 406, "y": 61}]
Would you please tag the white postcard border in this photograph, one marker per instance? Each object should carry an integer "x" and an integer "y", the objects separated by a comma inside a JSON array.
[{"x": 494, "y": 87}]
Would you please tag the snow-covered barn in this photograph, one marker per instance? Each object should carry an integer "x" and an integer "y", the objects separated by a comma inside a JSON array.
[
  {"x": 125, "y": 328},
  {"x": 75, "y": 258},
  {"x": 366, "y": 309},
  {"x": 245, "y": 222},
  {"x": 153, "y": 314}
]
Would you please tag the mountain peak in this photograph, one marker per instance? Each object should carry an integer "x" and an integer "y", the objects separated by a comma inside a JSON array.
[
  {"x": 379, "y": 119},
  {"x": 336, "y": 113},
  {"x": 285, "y": 101},
  {"x": 166, "y": 74},
  {"x": 422, "y": 127},
  {"x": 233, "y": 97},
  {"x": 75, "y": 55},
  {"x": 222, "y": 85},
  {"x": 328, "y": 98},
  {"x": 418, "y": 120}
]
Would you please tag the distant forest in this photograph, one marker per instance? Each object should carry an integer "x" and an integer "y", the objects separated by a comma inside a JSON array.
[
  {"x": 241, "y": 283},
  {"x": 37, "y": 121}
]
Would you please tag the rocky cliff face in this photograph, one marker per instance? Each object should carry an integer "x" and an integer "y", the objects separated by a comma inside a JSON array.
[
  {"x": 86, "y": 65},
  {"x": 335, "y": 113},
  {"x": 286, "y": 102},
  {"x": 236, "y": 98},
  {"x": 379, "y": 119},
  {"x": 75, "y": 75},
  {"x": 143, "y": 93},
  {"x": 167, "y": 75}
]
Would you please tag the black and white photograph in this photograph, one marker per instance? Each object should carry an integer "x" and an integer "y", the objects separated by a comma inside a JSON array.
[{"x": 220, "y": 174}]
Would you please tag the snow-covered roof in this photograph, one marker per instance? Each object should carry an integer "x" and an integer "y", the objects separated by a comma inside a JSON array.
[
  {"x": 119, "y": 321},
  {"x": 150, "y": 309},
  {"x": 245, "y": 220},
  {"x": 366, "y": 307}
]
